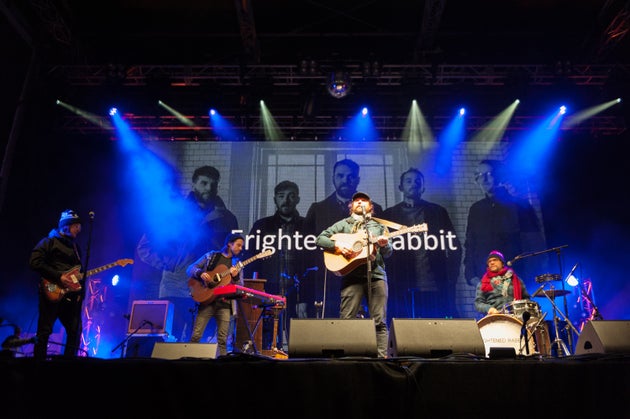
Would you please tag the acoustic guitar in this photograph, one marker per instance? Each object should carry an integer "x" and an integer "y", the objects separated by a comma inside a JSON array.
[
  {"x": 55, "y": 292},
  {"x": 341, "y": 265},
  {"x": 203, "y": 292}
]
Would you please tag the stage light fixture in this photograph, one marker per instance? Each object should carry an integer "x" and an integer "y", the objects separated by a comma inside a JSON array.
[{"x": 339, "y": 84}]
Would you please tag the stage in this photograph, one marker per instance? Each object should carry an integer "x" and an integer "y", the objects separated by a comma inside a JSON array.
[{"x": 242, "y": 385}]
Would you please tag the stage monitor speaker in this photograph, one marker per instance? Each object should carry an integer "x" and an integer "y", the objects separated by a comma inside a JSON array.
[
  {"x": 168, "y": 350},
  {"x": 151, "y": 317},
  {"x": 604, "y": 337},
  {"x": 434, "y": 338},
  {"x": 332, "y": 338},
  {"x": 141, "y": 346}
]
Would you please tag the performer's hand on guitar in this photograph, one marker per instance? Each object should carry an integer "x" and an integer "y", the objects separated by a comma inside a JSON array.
[
  {"x": 381, "y": 241},
  {"x": 207, "y": 278},
  {"x": 67, "y": 280},
  {"x": 344, "y": 251}
]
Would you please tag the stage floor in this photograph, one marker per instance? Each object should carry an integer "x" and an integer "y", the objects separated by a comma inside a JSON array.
[{"x": 459, "y": 385}]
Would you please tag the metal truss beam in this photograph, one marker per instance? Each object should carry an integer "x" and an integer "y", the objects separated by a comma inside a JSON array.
[{"x": 389, "y": 75}]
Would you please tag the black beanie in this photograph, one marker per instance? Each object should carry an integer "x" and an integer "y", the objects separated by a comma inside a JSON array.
[{"x": 69, "y": 217}]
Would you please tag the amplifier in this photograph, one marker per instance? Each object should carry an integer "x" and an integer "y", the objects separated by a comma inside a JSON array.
[{"x": 151, "y": 317}]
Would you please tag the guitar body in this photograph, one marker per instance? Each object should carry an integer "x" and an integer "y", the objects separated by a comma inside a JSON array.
[
  {"x": 55, "y": 292},
  {"x": 341, "y": 265},
  {"x": 202, "y": 292}
]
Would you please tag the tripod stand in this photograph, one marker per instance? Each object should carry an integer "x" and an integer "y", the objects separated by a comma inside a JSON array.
[{"x": 558, "y": 343}]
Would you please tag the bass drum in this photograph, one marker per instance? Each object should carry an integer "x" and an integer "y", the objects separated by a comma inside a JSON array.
[{"x": 504, "y": 331}]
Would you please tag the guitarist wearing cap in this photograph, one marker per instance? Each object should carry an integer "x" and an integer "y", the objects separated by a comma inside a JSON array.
[
  {"x": 367, "y": 280},
  {"x": 54, "y": 258}
]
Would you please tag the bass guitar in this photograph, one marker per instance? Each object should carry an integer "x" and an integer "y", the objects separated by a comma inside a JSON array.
[
  {"x": 203, "y": 292},
  {"x": 55, "y": 292},
  {"x": 341, "y": 265}
]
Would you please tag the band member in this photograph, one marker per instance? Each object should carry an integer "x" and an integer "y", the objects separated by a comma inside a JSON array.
[
  {"x": 220, "y": 308},
  {"x": 55, "y": 258},
  {"x": 320, "y": 215},
  {"x": 368, "y": 281},
  {"x": 499, "y": 286}
]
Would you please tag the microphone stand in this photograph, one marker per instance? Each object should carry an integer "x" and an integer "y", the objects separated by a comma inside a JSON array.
[
  {"x": 122, "y": 345},
  {"x": 370, "y": 247},
  {"x": 83, "y": 291},
  {"x": 557, "y": 340},
  {"x": 595, "y": 314}
]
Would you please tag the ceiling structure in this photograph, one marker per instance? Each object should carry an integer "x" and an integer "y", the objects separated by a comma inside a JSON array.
[{"x": 196, "y": 54}]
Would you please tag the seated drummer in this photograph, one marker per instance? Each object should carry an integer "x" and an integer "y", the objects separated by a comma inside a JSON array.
[{"x": 499, "y": 286}]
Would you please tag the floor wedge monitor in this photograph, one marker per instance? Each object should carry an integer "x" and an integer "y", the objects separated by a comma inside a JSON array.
[
  {"x": 176, "y": 350},
  {"x": 332, "y": 338},
  {"x": 434, "y": 338},
  {"x": 604, "y": 337}
]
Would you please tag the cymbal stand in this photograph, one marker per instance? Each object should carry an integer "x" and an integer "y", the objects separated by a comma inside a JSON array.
[{"x": 562, "y": 349}]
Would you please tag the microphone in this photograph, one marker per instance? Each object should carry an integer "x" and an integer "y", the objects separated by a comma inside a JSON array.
[
  {"x": 510, "y": 262},
  {"x": 314, "y": 268}
]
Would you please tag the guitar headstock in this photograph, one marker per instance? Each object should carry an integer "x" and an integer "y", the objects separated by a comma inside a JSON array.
[
  {"x": 265, "y": 254},
  {"x": 418, "y": 228},
  {"x": 124, "y": 262}
]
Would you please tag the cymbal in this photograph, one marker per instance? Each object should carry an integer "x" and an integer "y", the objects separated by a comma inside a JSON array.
[
  {"x": 548, "y": 277},
  {"x": 552, "y": 293}
]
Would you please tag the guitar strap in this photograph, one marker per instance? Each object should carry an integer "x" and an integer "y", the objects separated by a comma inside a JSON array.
[{"x": 389, "y": 224}]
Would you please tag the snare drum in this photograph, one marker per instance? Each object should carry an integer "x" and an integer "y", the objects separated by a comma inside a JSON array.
[
  {"x": 504, "y": 331},
  {"x": 516, "y": 308}
]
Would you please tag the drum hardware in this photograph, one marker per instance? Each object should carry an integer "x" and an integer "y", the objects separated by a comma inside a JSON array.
[
  {"x": 548, "y": 278},
  {"x": 554, "y": 293},
  {"x": 526, "y": 317},
  {"x": 561, "y": 347}
]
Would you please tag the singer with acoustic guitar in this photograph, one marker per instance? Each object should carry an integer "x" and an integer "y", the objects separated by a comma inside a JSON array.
[
  {"x": 55, "y": 258},
  {"x": 366, "y": 279},
  {"x": 215, "y": 269}
]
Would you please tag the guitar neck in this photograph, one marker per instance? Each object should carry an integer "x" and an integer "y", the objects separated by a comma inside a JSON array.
[
  {"x": 100, "y": 269},
  {"x": 413, "y": 229}
]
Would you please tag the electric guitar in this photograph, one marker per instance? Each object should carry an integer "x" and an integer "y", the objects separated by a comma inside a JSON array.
[
  {"x": 203, "y": 292},
  {"x": 55, "y": 292},
  {"x": 341, "y": 265}
]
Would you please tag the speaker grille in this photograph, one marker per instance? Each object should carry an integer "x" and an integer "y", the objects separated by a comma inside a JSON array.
[
  {"x": 332, "y": 338},
  {"x": 434, "y": 338}
]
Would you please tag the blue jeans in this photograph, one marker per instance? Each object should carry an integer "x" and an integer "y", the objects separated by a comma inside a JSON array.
[{"x": 351, "y": 299}]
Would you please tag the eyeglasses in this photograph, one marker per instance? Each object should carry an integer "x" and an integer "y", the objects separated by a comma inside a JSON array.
[{"x": 484, "y": 175}]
